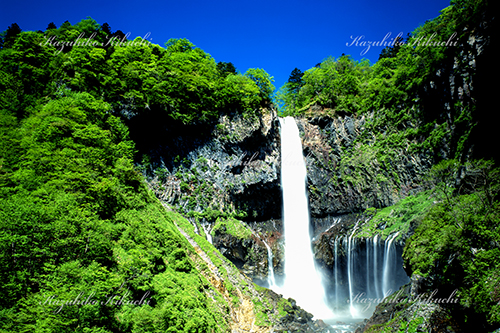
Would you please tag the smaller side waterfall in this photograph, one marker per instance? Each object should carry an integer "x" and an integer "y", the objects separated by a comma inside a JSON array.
[
  {"x": 270, "y": 274},
  {"x": 373, "y": 270},
  {"x": 350, "y": 273},
  {"x": 378, "y": 292},
  {"x": 271, "y": 281},
  {"x": 389, "y": 258},
  {"x": 206, "y": 229}
]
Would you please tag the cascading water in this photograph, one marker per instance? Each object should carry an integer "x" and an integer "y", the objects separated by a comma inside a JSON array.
[
  {"x": 336, "y": 271},
  {"x": 368, "y": 282},
  {"x": 362, "y": 270},
  {"x": 207, "y": 232},
  {"x": 388, "y": 262},
  {"x": 378, "y": 293},
  {"x": 350, "y": 268},
  {"x": 270, "y": 269},
  {"x": 302, "y": 281}
]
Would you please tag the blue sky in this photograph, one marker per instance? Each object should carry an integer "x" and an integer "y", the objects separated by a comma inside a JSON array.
[{"x": 274, "y": 35}]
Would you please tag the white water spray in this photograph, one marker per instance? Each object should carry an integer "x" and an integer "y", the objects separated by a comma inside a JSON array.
[
  {"x": 375, "y": 267},
  {"x": 302, "y": 281},
  {"x": 350, "y": 269},
  {"x": 388, "y": 262},
  {"x": 368, "y": 268},
  {"x": 270, "y": 269},
  {"x": 335, "y": 272},
  {"x": 206, "y": 229},
  {"x": 374, "y": 279}
]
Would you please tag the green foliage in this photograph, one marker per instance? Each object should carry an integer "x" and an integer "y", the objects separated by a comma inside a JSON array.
[
  {"x": 399, "y": 217},
  {"x": 295, "y": 80},
  {"x": 238, "y": 92},
  {"x": 233, "y": 227},
  {"x": 458, "y": 239},
  {"x": 77, "y": 219},
  {"x": 27, "y": 63},
  {"x": 263, "y": 81},
  {"x": 8, "y": 37},
  {"x": 335, "y": 84},
  {"x": 180, "y": 80},
  {"x": 226, "y": 68}
]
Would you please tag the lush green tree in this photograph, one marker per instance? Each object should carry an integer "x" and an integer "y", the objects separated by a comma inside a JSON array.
[
  {"x": 263, "y": 80},
  {"x": 392, "y": 51},
  {"x": 176, "y": 45},
  {"x": 295, "y": 80},
  {"x": 51, "y": 26},
  {"x": 28, "y": 61},
  {"x": 106, "y": 28},
  {"x": 10, "y": 35},
  {"x": 226, "y": 68},
  {"x": 120, "y": 35},
  {"x": 238, "y": 93}
]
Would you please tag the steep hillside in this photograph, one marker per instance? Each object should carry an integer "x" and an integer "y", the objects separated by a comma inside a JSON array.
[
  {"x": 86, "y": 246},
  {"x": 140, "y": 185}
]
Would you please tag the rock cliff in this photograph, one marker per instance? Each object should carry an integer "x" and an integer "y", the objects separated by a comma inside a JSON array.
[
  {"x": 232, "y": 169},
  {"x": 354, "y": 163}
]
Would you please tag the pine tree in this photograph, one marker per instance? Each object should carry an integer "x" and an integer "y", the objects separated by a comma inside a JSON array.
[{"x": 10, "y": 35}]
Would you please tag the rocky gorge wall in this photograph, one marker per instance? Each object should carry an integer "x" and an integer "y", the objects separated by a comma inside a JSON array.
[
  {"x": 228, "y": 181},
  {"x": 233, "y": 169}
]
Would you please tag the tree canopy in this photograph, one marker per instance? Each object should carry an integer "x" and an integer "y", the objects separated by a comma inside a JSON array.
[{"x": 76, "y": 216}]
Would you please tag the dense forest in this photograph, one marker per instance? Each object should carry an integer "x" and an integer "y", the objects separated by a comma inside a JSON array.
[
  {"x": 89, "y": 243},
  {"x": 76, "y": 214}
]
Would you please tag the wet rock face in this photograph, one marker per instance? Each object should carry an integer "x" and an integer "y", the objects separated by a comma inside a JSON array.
[
  {"x": 250, "y": 254},
  {"x": 416, "y": 314},
  {"x": 299, "y": 320},
  {"x": 344, "y": 180},
  {"x": 231, "y": 167}
]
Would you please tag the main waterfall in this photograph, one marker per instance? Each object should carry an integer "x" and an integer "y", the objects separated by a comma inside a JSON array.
[
  {"x": 302, "y": 281},
  {"x": 365, "y": 270}
]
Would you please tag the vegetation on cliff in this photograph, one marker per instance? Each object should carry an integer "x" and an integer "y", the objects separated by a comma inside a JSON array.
[
  {"x": 412, "y": 129},
  {"x": 456, "y": 245},
  {"x": 79, "y": 225},
  {"x": 85, "y": 246},
  {"x": 82, "y": 127}
]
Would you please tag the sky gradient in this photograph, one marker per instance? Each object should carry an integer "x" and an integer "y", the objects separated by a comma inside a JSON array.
[{"x": 274, "y": 35}]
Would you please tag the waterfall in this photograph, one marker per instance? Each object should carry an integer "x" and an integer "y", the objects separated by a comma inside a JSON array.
[
  {"x": 389, "y": 259},
  {"x": 372, "y": 272},
  {"x": 336, "y": 270},
  {"x": 350, "y": 268},
  {"x": 357, "y": 283},
  {"x": 302, "y": 281},
  {"x": 271, "y": 282},
  {"x": 378, "y": 292},
  {"x": 207, "y": 232},
  {"x": 270, "y": 270}
]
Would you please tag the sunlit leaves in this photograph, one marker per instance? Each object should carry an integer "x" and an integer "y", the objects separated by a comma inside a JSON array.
[
  {"x": 263, "y": 80},
  {"x": 457, "y": 244}
]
